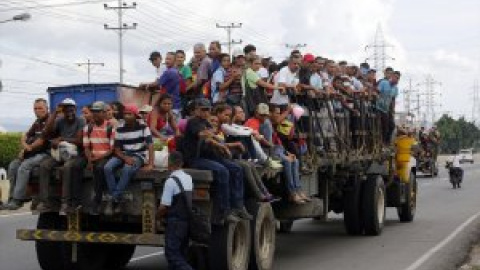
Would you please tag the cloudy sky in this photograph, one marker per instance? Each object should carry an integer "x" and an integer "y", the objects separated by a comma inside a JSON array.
[{"x": 436, "y": 37}]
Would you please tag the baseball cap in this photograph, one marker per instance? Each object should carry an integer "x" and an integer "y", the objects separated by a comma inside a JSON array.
[
  {"x": 68, "y": 102},
  {"x": 145, "y": 109},
  {"x": 202, "y": 102},
  {"x": 263, "y": 109},
  {"x": 131, "y": 108},
  {"x": 238, "y": 52},
  {"x": 98, "y": 106},
  {"x": 154, "y": 55},
  {"x": 309, "y": 58}
]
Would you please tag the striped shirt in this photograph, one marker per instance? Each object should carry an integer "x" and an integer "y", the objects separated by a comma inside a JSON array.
[
  {"x": 134, "y": 141},
  {"x": 98, "y": 141}
]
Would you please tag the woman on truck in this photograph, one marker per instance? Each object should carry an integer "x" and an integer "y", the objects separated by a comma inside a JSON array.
[{"x": 162, "y": 121}]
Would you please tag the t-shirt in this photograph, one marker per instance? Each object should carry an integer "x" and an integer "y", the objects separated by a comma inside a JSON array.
[
  {"x": 304, "y": 75},
  {"x": 186, "y": 72},
  {"x": 218, "y": 79},
  {"x": 170, "y": 79},
  {"x": 35, "y": 132},
  {"x": 287, "y": 77},
  {"x": 68, "y": 130},
  {"x": 357, "y": 85},
  {"x": 251, "y": 78},
  {"x": 204, "y": 70},
  {"x": 191, "y": 139},
  {"x": 316, "y": 81},
  {"x": 215, "y": 65},
  {"x": 98, "y": 141},
  {"x": 134, "y": 141},
  {"x": 253, "y": 123},
  {"x": 171, "y": 188},
  {"x": 236, "y": 85},
  {"x": 387, "y": 93},
  {"x": 263, "y": 73}
]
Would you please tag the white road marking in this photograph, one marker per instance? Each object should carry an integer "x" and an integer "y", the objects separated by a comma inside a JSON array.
[
  {"x": 442, "y": 244},
  {"x": 16, "y": 214},
  {"x": 147, "y": 256}
]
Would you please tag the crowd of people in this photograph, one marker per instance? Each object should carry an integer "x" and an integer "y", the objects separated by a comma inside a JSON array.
[{"x": 228, "y": 115}]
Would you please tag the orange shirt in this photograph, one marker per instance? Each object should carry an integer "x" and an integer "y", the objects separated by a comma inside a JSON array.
[{"x": 97, "y": 141}]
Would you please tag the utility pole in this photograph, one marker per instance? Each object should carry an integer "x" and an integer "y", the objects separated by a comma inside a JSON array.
[
  {"x": 89, "y": 66},
  {"x": 121, "y": 29},
  {"x": 476, "y": 105},
  {"x": 407, "y": 102},
  {"x": 430, "y": 94},
  {"x": 379, "y": 46},
  {"x": 230, "y": 41}
]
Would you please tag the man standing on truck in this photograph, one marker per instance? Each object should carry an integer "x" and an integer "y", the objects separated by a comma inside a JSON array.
[
  {"x": 175, "y": 207},
  {"x": 388, "y": 92},
  {"x": 34, "y": 151},
  {"x": 133, "y": 149},
  {"x": 62, "y": 132},
  {"x": 98, "y": 138}
]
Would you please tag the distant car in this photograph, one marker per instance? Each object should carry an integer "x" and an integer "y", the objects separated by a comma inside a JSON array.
[{"x": 466, "y": 155}]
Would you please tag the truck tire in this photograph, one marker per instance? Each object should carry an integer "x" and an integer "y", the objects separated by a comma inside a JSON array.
[
  {"x": 89, "y": 256},
  {"x": 118, "y": 256},
  {"x": 263, "y": 236},
  {"x": 352, "y": 210},
  {"x": 285, "y": 226},
  {"x": 50, "y": 255},
  {"x": 373, "y": 205},
  {"x": 229, "y": 247},
  {"x": 406, "y": 212}
]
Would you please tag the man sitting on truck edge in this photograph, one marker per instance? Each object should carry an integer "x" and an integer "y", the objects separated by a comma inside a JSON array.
[
  {"x": 98, "y": 139},
  {"x": 34, "y": 151},
  {"x": 203, "y": 152},
  {"x": 65, "y": 131},
  {"x": 175, "y": 206},
  {"x": 133, "y": 149}
]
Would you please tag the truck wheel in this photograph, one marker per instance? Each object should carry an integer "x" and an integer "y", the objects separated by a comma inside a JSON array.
[
  {"x": 373, "y": 205},
  {"x": 118, "y": 256},
  {"x": 49, "y": 254},
  {"x": 352, "y": 213},
  {"x": 89, "y": 256},
  {"x": 406, "y": 212},
  {"x": 263, "y": 236},
  {"x": 285, "y": 226},
  {"x": 229, "y": 247}
]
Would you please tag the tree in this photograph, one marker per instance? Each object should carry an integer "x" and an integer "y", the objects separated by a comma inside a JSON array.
[{"x": 457, "y": 134}]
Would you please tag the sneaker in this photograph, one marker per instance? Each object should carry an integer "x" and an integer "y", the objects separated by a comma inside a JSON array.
[
  {"x": 13, "y": 205},
  {"x": 230, "y": 218},
  {"x": 43, "y": 207},
  {"x": 64, "y": 209},
  {"x": 242, "y": 213},
  {"x": 274, "y": 164},
  {"x": 109, "y": 208}
]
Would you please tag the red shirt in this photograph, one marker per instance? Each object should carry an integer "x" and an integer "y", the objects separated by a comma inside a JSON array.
[
  {"x": 97, "y": 141},
  {"x": 253, "y": 123}
]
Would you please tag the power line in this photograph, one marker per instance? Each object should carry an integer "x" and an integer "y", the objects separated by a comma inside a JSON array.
[
  {"x": 120, "y": 29},
  {"x": 74, "y": 3},
  {"x": 89, "y": 66},
  {"x": 230, "y": 41},
  {"x": 379, "y": 46}
]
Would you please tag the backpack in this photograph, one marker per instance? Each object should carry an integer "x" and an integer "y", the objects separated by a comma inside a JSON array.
[{"x": 199, "y": 228}]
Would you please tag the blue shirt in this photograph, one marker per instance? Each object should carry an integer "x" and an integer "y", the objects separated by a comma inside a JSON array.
[
  {"x": 388, "y": 92},
  {"x": 215, "y": 65},
  {"x": 170, "y": 79},
  {"x": 218, "y": 78}
]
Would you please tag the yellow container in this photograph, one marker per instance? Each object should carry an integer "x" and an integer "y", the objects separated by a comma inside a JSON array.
[{"x": 403, "y": 152}]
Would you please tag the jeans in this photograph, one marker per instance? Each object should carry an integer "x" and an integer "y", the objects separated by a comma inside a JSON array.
[
  {"x": 176, "y": 244},
  {"x": 266, "y": 129},
  {"x": 99, "y": 179},
  {"x": 126, "y": 174},
  {"x": 71, "y": 175},
  {"x": 291, "y": 170},
  {"x": 19, "y": 173},
  {"x": 254, "y": 179},
  {"x": 237, "y": 188}
]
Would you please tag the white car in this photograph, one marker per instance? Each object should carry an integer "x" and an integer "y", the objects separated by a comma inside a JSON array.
[{"x": 466, "y": 155}]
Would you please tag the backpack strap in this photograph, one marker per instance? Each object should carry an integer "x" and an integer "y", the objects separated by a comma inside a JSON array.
[{"x": 182, "y": 191}]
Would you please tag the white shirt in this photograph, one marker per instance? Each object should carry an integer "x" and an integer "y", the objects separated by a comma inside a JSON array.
[
  {"x": 287, "y": 77},
  {"x": 456, "y": 162},
  {"x": 171, "y": 188},
  {"x": 263, "y": 73}
]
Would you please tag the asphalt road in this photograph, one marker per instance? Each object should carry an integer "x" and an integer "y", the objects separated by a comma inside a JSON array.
[{"x": 447, "y": 222}]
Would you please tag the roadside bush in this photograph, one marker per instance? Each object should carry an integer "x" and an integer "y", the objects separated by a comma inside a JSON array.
[{"x": 9, "y": 148}]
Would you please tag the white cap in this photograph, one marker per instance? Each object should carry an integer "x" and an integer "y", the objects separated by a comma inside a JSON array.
[
  {"x": 68, "y": 101},
  {"x": 238, "y": 52}
]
